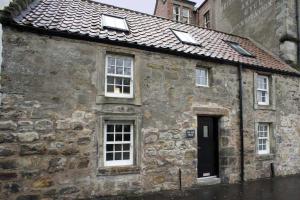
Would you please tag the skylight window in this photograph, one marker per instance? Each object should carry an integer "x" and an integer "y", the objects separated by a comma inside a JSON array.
[
  {"x": 239, "y": 49},
  {"x": 114, "y": 23},
  {"x": 185, "y": 37}
]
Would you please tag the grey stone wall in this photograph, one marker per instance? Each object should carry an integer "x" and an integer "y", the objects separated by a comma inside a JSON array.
[
  {"x": 51, "y": 121},
  {"x": 270, "y": 23}
]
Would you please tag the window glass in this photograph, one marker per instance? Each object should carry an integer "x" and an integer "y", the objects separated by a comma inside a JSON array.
[
  {"x": 186, "y": 15},
  {"x": 119, "y": 80},
  {"x": 237, "y": 47},
  {"x": 185, "y": 37},
  {"x": 202, "y": 77},
  {"x": 176, "y": 13},
  {"x": 118, "y": 144},
  {"x": 262, "y": 90},
  {"x": 207, "y": 20},
  {"x": 263, "y": 144},
  {"x": 114, "y": 22}
]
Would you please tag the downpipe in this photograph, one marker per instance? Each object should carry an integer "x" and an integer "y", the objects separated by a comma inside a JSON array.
[
  {"x": 240, "y": 77},
  {"x": 297, "y": 4}
]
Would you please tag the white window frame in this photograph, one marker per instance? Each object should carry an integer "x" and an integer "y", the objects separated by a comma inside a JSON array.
[
  {"x": 267, "y": 138},
  {"x": 188, "y": 16},
  {"x": 176, "y": 14},
  {"x": 206, "y": 77},
  {"x": 118, "y": 162},
  {"x": 113, "y": 94},
  {"x": 260, "y": 90}
]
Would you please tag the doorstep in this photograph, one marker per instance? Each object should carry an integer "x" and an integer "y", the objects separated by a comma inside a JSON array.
[{"x": 213, "y": 180}]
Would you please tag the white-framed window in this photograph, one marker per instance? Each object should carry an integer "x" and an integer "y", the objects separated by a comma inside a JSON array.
[
  {"x": 202, "y": 77},
  {"x": 206, "y": 17},
  {"x": 185, "y": 37},
  {"x": 186, "y": 15},
  {"x": 119, "y": 76},
  {"x": 176, "y": 13},
  {"x": 262, "y": 90},
  {"x": 114, "y": 22},
  {"x": 263, "y": 138},
  {"x": 118, "y": 143}
]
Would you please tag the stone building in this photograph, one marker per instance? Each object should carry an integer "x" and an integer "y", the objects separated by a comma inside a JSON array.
[
  {"x": 273, "y": 24},
  {"x": 100, "y": 100}
]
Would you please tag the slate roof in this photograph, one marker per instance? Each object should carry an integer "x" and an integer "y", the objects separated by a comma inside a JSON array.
[{"x": 83, "y": 17}]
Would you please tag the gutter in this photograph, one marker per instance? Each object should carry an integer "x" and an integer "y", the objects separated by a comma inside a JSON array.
[{"x": 240, "y": 76}]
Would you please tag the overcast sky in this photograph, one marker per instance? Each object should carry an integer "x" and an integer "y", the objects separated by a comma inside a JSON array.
[{"x": 146, "y": 6}]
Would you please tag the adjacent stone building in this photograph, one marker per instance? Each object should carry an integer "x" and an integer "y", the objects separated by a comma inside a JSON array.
[
  {"x": 100, "y": 100},
  {"x": 273, "y": 24}
]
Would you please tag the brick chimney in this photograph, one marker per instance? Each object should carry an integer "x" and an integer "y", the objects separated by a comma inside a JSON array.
[{"x": 164, "y": 8}]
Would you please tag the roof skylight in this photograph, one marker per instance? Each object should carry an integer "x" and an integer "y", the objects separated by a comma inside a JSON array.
[
  {"x": 237, "y": 47},
  {"x": 185, "y": 37},
  {"x": 114, "y": 22}
]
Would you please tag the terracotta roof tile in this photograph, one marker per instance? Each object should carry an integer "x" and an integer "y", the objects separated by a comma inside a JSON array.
[{"x": 84, "y": 17}]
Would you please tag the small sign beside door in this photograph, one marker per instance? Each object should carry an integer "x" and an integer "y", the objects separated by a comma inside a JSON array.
[{"x": 190, "y": 133}]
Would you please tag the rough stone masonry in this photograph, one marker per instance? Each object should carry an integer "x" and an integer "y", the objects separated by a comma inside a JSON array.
[{"x": 51, "y": 123}]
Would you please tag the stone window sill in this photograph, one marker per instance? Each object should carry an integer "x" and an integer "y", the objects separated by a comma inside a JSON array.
[
  {"x": 265, "y": 157},
  {"x": 100, "y": 99},
  {"x": 265, "y": 107},
  {"x": 115, "y": 171}
]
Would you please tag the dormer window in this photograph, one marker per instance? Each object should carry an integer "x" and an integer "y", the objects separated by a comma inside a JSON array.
[
  {"x": 237, "y": 47},
  {"x": 113, "y": 22},
  {"x": 185, "y": 37}
]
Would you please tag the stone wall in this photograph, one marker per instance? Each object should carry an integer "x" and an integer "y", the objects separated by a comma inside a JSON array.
[
  {"x": 270, "y": 23},
  {"x": 51, "y": 122}
]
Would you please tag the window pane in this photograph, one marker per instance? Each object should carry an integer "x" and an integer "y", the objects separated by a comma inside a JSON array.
[
  {"x": 118, "y": 156},
  {"x": 111, "y": 69},
  {"x": 110, "y": 137},
  {"x": 109, "y": 156},
  {"x": 119, "y": 128},
  {"x": 118, "y": 147},
  {"x": 110, "y": 80},
  {"x": 185, "y": 37},
  {"x": 126, "y": 147},
  {"x": 109, "y": 147},
  {"x": 118, "y": 89},
  {"x": 114, "y": 22},
  {"x": 118, "y": 137},
  {"x": 110, "y": 128},
  {"x": 111, "y": 61},
  {"x": 110, "y": 88},
  {"x": 126, "y": 156},
  {"x": 127, "y": 128},
  {"x": 126, "y": 137},
  {"x": 126, "y": 90},
  {"x": 127, "y": 63},
  {"x": 119, "y": 81},
  {"x": 119, "y": 70},
  {"x": 126, "y": 81},
  {"x": 127, "y": 71}
]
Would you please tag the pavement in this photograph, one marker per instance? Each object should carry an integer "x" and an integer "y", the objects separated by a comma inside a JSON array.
[{"x": 279, "y": 188}]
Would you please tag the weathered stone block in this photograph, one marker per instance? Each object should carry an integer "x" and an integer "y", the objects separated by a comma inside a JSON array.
[
  {"x": 8, "y": 175},
  {"x": 28, "y": 197},
  {"x": 25, "y": 125},
  {"x": 6, "y": 151},
  {"x": 6, "y": 137},
  {"x": 63, "y": 124},
  {"x": 78, "y": 115},
  {"x": 57, "y": 164},
  {"x": 30, "y": 174},
  {"x": 151, "y": 138},
  {"x": 70, "y": 150},
  {"x": 69, "y": 190},
  {"x": 32, "y": 149},
  {"x": 8, "y": 125},
  {"x": 12, "y": 187},
  {"x": 8, "y": 164},
  {"x": 43, "y": 125},
  {"x": 42, "y": 182},
  {"x": 83, "y": 140},
  {"x": 83, "y": 163},
  {"x": 27, "y": 136},
  {"x": 77, "y": 125}
]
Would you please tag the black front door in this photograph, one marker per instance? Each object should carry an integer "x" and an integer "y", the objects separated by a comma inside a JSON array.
[{"x": 207, "y": 147}]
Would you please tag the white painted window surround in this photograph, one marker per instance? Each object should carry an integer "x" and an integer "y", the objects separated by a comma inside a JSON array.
[
  {"x": 263, "y": 138},
  {"x": 262, "y": 90},
  {"x": 118, "y": 143},
  {"x": 119, "y": 76}
]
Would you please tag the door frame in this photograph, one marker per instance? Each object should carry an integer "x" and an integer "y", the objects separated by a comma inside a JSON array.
[{"x": 216, "y": 131}]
